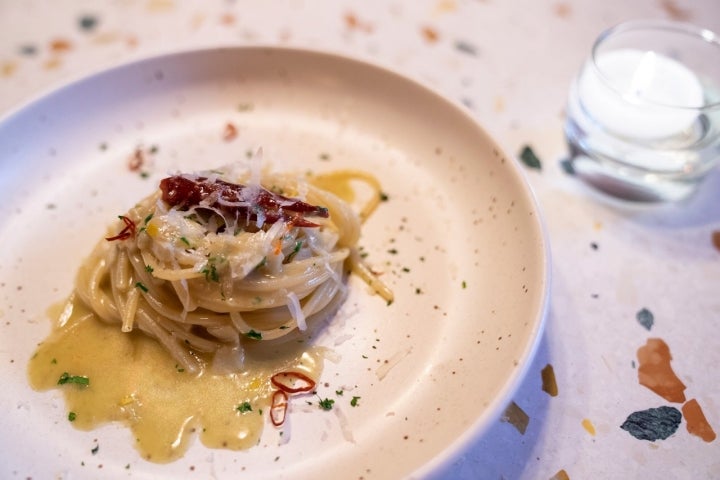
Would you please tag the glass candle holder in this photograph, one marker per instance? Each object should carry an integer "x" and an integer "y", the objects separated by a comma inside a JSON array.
[{"x": 643, "y": 114}]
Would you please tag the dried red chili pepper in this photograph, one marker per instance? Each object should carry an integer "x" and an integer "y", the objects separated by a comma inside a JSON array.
[
  {"x": 278, "y": 408},
  {"x": 293, "y": 382},
  {"x": 127, "y": 232},
  {"x": 236, "y": 200}
]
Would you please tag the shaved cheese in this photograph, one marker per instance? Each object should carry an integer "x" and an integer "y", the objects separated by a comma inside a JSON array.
[
  {"x": 344, "y": 425},
  {"x": 296, "y": 311},
  {"x": 128, "y": 313},
  {"x": 385, "y": 368},
  {"x": 256, "y": 167}
]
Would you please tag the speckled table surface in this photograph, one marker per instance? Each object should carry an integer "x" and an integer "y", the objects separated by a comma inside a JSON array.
[{"x": 623, "y": 275}]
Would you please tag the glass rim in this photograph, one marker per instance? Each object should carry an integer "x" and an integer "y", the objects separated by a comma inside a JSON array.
[{"x": 703, "y": 34}]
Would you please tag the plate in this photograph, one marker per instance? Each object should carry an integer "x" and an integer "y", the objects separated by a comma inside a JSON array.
[{"x": 459, "y": 241}]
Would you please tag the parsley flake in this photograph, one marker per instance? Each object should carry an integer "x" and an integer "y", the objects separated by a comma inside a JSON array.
[
  {"x": 354, "y": 401},
  {"x": 211, "y": 273},
  {"x": 78, "y": 379},
  {"x": 72, "y": 416},
  {"x": 244, "y": 407},
  {"x": 296, "y": 249},
  {"x": 254, "y": 335},
  {"x": 326, "y": 403}
]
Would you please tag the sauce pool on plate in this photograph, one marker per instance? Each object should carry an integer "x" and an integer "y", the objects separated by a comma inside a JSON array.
[{"x": 106, "y": 375}]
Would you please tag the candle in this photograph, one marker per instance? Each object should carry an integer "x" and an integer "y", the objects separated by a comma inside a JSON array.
[{"x": 640, "y": 94}]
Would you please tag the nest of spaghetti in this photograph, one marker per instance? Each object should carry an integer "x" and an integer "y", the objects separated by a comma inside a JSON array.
[{"x": 215, "y": 259}]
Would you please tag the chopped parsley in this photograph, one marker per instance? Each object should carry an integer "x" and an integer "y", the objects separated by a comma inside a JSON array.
[
  {"x": 244, "y": 407},
  {"x": 254, "y": 335},
  {"x": 72, "y": 416},
  {"x": 384, "y": 197},
  {"x": 211, "y": 273},
  {"x": 298, "y": 246},
  {"x": 149, "y": 269},
  {"x": 339, "y": 392},
  {"x": 326, "y": 403},
  {"x": 354, "y": 401},
  {"x": 78, "y": 379},
  {"x": 185, "y": 241},
  {"x": 141, "y": 286}
]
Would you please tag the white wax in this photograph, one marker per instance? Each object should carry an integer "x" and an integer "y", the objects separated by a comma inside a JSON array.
[{"x": 641, "y": 95}]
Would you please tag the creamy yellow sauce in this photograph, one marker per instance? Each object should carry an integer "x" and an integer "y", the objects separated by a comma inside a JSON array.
[
  {"x": 133, "y": 380},
  {"x": 348, "y": 185}
]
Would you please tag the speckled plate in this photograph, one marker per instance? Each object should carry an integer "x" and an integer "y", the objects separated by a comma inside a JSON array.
[{"x": 459, "y": 241}]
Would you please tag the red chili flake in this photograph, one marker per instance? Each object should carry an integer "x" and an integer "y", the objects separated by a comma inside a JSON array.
[
  {"x": 278, "y": 408},
  {"x": 127, "y": 232},
  {"x": 230, "y": 132},
  {"x": 293, "y": 382},
  {"x": 716, "y": 239},
  {"x": 137, "y": 160}
]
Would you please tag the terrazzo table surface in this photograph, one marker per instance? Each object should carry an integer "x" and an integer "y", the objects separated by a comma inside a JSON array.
[{"x": 509, "y": 63}]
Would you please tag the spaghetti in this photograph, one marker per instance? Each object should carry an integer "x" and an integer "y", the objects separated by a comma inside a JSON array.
[{"x": 213, "y": 258}]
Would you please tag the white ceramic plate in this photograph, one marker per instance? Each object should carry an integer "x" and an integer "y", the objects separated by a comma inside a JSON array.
[{"x": 459, "y": 240}]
